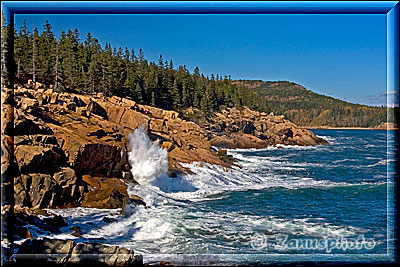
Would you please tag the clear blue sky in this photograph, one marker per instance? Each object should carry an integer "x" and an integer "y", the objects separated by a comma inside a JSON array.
[{"x": 343, "y": 56}]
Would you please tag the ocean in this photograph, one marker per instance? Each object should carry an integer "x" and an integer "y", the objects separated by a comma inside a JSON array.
[{"x": 284, "y": 203}]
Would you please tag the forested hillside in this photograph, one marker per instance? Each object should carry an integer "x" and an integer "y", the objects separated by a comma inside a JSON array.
[
  {"x": 304, "y": 107},
  {"x": 68, "y": 63},
  {"x": 81, "y": 65}
]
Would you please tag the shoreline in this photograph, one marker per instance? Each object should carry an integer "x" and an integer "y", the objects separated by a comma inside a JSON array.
[{"x": 346, "y": 128}]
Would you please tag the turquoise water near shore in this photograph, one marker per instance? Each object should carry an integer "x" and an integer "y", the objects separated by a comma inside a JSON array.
[{"x": 280, "y": 199}]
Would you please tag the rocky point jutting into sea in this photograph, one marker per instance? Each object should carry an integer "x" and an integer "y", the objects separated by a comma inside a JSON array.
[{"x": 72, "y": 150}]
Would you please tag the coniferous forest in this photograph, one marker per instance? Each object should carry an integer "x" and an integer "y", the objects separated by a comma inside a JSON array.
[
  {"x": 307, "y": 108},
  {"x": 69, "y": 63},
  {"x": 73, "y": 63}
]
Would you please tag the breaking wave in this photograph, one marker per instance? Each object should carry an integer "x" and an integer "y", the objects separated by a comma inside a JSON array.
[
  {"x": 180, "y": 218},
  {"x": 149, "y": 167},
  {"x": 148, "y": 160}
]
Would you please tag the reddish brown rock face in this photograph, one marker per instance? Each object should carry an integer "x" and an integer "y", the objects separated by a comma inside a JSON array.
[
  {"x": 60, "y": 137},
  {"x": 245, "y": 128}
]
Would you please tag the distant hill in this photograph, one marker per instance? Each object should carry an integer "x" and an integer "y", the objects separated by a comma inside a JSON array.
[{"x": 306, "y": 108}]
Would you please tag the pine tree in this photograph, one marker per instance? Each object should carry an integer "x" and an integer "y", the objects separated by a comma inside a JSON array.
[
  {"x": 92, "y": 63},
  {"x": 35, "y": 54},
  {"x": 205, "y": 105},
  {"x": 213, "y": 100},
  {"x": 56, "y": 84},
  {"x": 198, "y": 90},
  {"x": 138, "y": 93},
  {"x": 22, "y": 52},
  {"x": 176, "y": 95},
  {"x": 46, "y": 53},
  {"x": 85, "y": 66},
  {"x": 7, "y": 61}
]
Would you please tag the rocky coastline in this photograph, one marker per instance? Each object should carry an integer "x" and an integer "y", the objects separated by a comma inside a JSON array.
[
  {"x": 69, "y": 150},
  {"x": 386, "y": 126}
]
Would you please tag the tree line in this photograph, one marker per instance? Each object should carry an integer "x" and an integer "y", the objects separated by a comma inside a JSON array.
[
  {"x": 67, "y": 63},
  {"x": 306, "y": 108}
]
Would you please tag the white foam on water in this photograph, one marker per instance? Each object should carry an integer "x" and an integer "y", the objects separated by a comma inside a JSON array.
[
  {"x": 147, "y": 159},
  {"x": 177, "y": 222},
  {"x": 381, "y": 162},
  {"x": 330, "y": 139},
  {"x": 278, "y": 146}
]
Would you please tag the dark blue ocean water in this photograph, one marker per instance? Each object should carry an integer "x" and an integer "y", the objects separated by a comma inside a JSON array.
[
  {"x": 353, "y": 171},
  {"x": 290, "y": 200}
]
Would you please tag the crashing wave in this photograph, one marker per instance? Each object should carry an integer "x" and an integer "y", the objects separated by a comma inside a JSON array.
[{"x": 147, "y": 159}]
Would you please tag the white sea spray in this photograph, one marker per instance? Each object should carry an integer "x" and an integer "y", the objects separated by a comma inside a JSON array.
[{"x": 147, "y": 159}]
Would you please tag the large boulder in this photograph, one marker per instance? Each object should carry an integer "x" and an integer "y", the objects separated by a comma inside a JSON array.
[
  {"x": 104, "y": 193},
  {"x": 103, "y": 199},
  {"x": 68, "y": 252},
  {"x": 39, "y": 190},
  {"x": 108, "y": 193}
]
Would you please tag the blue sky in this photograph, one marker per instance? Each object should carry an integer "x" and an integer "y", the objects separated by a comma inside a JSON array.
[{"x": 343, "y": 56}]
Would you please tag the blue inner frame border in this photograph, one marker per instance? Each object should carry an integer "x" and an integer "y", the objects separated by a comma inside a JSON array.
[
  {"x": 390, "y": 8},
  {"x": 199, "y": 7}
]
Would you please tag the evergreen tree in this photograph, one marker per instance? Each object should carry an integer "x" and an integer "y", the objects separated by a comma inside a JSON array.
[
  {"x": 6, "y": 68},
  {"x": 138, "y": 93},
  {"x": 87, "y": 67},
  {"x": 22, "y": 52},
  {"x": 47, "y": 55},
  {"x": 35, "y": 54}
]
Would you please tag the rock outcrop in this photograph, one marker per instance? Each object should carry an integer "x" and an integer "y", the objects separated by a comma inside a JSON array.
[
  {"x": 25, "y": 219},
  {"x": 55, "y": 251},
  {"x": 245, "y": 128},
  {"x": 61, "y": 137},
  {"x": 67, "y": 252},
  {"x": 67, "y": 150},
  {"x": 386, "y": 126},
  {"x": 104, "y": 193}
]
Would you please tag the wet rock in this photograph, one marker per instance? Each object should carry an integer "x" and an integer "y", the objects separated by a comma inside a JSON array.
[
  {"x": 130, "y": 202},
  {"x": 46, "y": 222},
  {"x": 56, "y": 221},
  {"x": 110, "y": 198},
  {"x": 77, "y": 231},
  {"x": 109, "y": 220},
  {"x": 68, "y": 252},
  {"x": 23, "y": 232},
  {"x": 222, "y": 152},
  {"x": 172, "y": 174}
]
